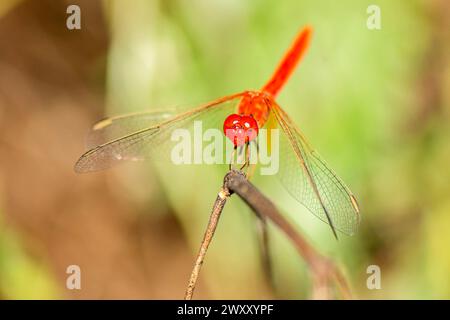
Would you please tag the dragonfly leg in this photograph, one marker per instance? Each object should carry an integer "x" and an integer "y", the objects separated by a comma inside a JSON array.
[
  {"x": 243, "y": 156},
  {"x": 230, "y": 166},
  {"x": 251, "y": 165},
  {"x": 238, "y": 153},
  {"x": 246, "y": 159}
]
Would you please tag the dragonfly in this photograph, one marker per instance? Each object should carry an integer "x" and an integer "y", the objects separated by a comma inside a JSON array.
[{"x": 302, "y": 171}]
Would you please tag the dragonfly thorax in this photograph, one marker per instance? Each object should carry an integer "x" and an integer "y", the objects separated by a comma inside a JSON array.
[{"x": 257, "y": 105}]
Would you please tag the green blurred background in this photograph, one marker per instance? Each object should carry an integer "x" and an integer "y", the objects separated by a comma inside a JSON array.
[{"x": 375, "y": 103}]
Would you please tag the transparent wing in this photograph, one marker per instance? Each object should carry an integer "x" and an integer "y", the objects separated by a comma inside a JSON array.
[
  {"x": 116, "y": 127},
  {"x": 151, "y": 141},
  {"x": 311, "y": 181}
]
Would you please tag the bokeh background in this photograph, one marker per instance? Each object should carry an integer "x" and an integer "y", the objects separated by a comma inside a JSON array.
[{"x": 375, "y": 103}]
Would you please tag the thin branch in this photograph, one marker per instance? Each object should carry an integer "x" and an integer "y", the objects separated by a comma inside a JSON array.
[
  {"x": 263, "y": 239},
  {"x": 325, "y": 273},
  {"x": 324, "y": 270},
  {"x": 209, "y": 233}
]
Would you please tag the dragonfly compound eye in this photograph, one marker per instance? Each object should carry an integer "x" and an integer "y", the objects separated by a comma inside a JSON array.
[{"x": 240, "y": 129}]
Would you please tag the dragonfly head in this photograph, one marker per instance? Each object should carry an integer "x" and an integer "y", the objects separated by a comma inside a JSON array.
[{"x": 240, "y": 129}]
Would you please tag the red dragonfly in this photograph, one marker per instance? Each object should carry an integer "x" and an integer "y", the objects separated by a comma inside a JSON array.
[{"x": 301, "y": 170}]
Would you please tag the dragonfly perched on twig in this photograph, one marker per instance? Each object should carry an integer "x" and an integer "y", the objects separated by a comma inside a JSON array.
[{"x": 302, "y": 171}]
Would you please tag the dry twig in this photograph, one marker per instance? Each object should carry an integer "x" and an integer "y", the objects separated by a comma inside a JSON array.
[{"x": 324, "y": 271}]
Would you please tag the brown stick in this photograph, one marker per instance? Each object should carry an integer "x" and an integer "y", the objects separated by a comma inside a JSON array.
[
  {"x": 325, "y": 273},
  {"x": 324, "y": 270},
  {"x": 209, "y": 233},
  {"x": 263, "y": 239}
]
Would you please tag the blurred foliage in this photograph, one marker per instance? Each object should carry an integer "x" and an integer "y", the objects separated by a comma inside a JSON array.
[
  {"x": 354, "y": 96},
  {"x": 22, "y": 277},
  {"x": 375, "y": 103},
  {"x": 7, "y": 5}
]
